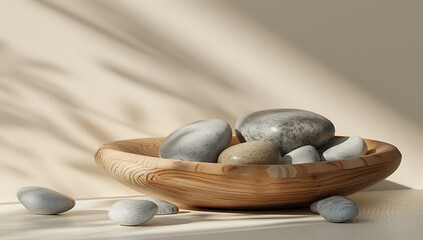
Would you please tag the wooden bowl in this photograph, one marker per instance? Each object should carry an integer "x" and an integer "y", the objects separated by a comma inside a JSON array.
[{"x": 136, "y": 164}]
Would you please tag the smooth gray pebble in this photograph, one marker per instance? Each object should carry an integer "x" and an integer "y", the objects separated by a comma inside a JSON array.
[
  {"x": 39, "y": 200},
  {"x": 335, "y": 209},
  {"x": 164, "y": 207},
  {"x": 200, "y": 141}
]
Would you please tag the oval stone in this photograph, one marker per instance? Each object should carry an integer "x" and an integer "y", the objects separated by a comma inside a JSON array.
[
  {"x": 164, "y": 207},
  {"x": 39, "y": 200},
  {"x": 200, "y": 141},
  {"x": 304, "y": 154},
  {"x": 335, "y": 209},
  {"x": 341, "y": 148},
  {"x": 132, "y": 212},
  {"x": 287, "y": 129},
  {"x": 251, "y": 153}
]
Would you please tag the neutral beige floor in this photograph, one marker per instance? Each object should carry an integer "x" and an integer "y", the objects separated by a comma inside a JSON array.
[{"x": 395, "y": 214}]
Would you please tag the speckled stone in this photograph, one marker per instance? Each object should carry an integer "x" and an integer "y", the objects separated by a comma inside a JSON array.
[
  {"x": 132, "y": 212},
  {"x": 164, "y": 207},
  {"x": 287, "y": 129},
  {"x": 341, "y": 148},
  {"x": 200, "y": 141},
  {"x": 304, "y": 154},
  {"x": 39, "y": 200},
  {"x": 251, "y": 153},
  {"x": 335, "y": 209}
]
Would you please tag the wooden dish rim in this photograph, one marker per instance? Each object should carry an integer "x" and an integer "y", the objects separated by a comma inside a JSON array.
[{"x": 374, "y": 156}]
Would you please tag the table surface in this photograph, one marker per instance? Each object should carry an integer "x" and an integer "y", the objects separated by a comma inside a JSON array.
[{"x": 394, "y": 214}]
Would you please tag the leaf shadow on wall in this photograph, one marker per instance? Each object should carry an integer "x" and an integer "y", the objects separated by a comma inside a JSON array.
[{"x": 115, "y": 23}]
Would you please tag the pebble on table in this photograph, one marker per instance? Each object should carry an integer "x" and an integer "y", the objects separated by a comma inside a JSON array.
[
  {"x": 335, "y": 209},
  {"x": 133, "y": 212},
  {"x": 39, "y": 200},
  {"x": 164, "y": 207}
]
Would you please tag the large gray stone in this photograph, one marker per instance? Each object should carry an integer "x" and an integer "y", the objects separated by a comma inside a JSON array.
[
  {"x": 164, "y": 207},
  {"x": 200, "y": 141},
  {"x": 304, "y": 154},
  {"x": 335, "y": 209},
  {"x": 341, "y": 148},
  {"x": 132, "y": 212},
  {"x": 287, "y": 129},
  {"x": 39, "y": 200}
]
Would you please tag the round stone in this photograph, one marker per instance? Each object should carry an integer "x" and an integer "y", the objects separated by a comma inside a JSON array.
[
  {"x": 39, "y": 200},
  {"x": 132, "y": 212},
  {"x": 200, "y": 141},
  {"x": 164, "y": 207},
  {"x": 287, "y": 129},
  {"x": 251, "y": 153},
  {"x": 304, "y": 154},
  {"x": 335, "y": 209},
  {"x": 341, "y": 148}
]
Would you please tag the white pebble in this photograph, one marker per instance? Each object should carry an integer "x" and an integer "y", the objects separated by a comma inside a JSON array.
[
  {"x": 341, "y": 148},
  {"x": 304, "y": 154},
  {"x": 132, "y": 212}
]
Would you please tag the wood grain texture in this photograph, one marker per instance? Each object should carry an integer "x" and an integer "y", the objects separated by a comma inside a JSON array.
[{"x": 136, "y": 164}]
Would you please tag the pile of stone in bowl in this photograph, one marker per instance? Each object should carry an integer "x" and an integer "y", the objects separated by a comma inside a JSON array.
[{"x": 276, "y": 136}]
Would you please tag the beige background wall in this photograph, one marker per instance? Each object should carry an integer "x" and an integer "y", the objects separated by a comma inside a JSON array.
[{"x": 75, "y": 74}]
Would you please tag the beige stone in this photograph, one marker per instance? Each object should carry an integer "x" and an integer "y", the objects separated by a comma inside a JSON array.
[{"x": 251, "y": 153}]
